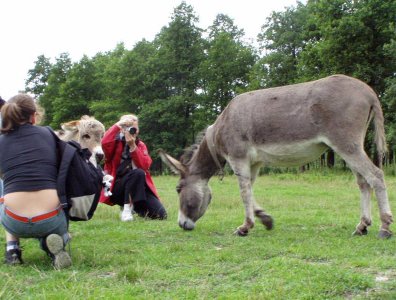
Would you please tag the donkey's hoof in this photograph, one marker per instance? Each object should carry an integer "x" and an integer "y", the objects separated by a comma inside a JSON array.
[
  {"x": 384, "y": 234},
  {"x": 266, "y": 220},
  {"x": 360, "y": 232},
  {"x": 241, "y": 232}
]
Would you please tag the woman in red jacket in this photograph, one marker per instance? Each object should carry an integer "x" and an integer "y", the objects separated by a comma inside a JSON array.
[{"x": 128, "y": 161}]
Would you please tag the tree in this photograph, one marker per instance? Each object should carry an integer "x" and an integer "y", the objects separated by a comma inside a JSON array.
[
  {"x": 282, "y": 38},
  {"x": 38, "y": 76},
  {"x": 56, "y": 77},
  {"x": 176, "y": 67},
  {"x": 226, "y": 67},
  {"x": 389, "y": 102},
  {"x": 108, "y": 105},
  {"x": 136, "y": 70},
  {"x": 76, "y": 93},
  {"x": 224, "y": 23},
  {"x": 160, "y": 124},
  {"x": 351, "y": 40}
]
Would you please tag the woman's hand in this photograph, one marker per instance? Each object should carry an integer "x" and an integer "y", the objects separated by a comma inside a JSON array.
[
  {"x": 130, "y": 139},
  {"x": 125, "y": 123}
]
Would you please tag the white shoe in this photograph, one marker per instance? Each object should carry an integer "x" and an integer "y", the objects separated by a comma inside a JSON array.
[{"x": 126, "y": 216}]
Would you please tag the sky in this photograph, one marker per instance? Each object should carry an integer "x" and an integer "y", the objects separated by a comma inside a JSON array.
[{"x": 30, "y": 28}]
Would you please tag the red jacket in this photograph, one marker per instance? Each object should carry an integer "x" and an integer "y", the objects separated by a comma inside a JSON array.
[{"x": 113, "y": 148}]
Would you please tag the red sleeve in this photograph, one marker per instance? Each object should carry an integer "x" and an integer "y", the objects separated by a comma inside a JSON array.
[
  {"x": 109, "y": 142},
  {"x": 141, "y": 157}
]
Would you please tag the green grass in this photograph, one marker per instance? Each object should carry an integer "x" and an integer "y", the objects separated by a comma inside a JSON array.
[{"x": 310, "y": 253}]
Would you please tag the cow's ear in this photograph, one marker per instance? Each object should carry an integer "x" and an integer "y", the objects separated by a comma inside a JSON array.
[
  {"x": 71, "y": 126},
  {"x": 175, "y": 165}
]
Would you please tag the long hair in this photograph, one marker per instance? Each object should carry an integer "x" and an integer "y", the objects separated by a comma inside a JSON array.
[
  {"x": 2, "y": 102},
  {"x": 17, "y": 111}
]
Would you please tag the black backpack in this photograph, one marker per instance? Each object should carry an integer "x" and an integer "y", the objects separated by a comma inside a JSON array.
[{"x": 79, "y": 182}]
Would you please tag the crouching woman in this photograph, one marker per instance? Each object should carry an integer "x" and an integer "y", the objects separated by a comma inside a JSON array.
[
  {"x": 128, "y": 161},
  {"x": 28, "y": 163}
]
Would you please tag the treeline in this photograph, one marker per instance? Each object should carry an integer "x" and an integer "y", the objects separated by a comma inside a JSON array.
[{"x": 179, "y": 82}]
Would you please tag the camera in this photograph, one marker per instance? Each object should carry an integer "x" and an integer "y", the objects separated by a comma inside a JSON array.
[{"x": 131, "y": 130}]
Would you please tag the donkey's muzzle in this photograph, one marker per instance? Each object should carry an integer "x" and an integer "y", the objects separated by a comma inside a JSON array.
[
  {"x": 187, "y": 226},
  {"x": 185, "y": 222}
]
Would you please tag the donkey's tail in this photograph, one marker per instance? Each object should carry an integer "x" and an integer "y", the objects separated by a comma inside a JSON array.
[{"x": 380, "y": 139}]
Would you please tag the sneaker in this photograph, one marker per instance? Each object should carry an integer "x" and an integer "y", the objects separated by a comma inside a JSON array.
[
  {"x": 126, "y": 216},
  {"x": 60, "y": 258},
  {"x": 13, "y": 257}
]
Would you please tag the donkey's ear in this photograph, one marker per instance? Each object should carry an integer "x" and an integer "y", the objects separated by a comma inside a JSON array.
[
  {"x": 70, "y": 126},
  {"x": 176, "y": 166}
]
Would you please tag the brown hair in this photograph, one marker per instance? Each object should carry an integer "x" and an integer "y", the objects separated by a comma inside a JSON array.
[
  {"x": 17, "y": 111},
  {"x": 2, "y": 102}
]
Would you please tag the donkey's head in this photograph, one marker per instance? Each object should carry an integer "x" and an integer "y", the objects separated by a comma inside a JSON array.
[
  {"x": 88, "y": 132},
  {"x": 194, "y": 192}
]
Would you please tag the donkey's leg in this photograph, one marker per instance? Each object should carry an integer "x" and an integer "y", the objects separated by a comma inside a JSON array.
[
  {"x": 265, "y": 218},
  {"x": 365, "y": 197},
  {"x": 360, "y": 163},
  {"x": 241, "y": 169}
]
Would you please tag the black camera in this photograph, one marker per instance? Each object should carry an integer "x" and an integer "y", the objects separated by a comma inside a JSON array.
[{"x": 132, "y": 130}]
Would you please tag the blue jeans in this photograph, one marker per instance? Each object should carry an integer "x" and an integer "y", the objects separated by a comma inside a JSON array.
[
  {"x": 41, "y": 229},
  {"x": 1, "y": 188}
]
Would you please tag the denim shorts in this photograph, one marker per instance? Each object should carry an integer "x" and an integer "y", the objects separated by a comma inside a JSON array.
[{"x": 57, "y": 224}]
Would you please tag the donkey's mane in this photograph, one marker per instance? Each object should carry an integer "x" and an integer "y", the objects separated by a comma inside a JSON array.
[{"x": 190, "y": 151}]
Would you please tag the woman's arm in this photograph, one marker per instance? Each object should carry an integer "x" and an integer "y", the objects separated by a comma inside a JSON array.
[
  {"x": 141, "y": 157},
  {"x": 109, "y": 142}
]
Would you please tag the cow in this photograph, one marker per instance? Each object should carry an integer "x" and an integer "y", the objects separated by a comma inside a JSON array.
[{"x": 286, "y": 126}]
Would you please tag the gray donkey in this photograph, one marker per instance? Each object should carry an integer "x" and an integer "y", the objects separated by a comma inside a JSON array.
[{"x": 286, "y": 126}]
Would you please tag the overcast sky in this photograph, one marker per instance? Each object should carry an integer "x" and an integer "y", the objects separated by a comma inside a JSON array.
[{"x": 29, "y": 28}]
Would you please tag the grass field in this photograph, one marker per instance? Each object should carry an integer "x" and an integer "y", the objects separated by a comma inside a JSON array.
[{"x": 310, "y": 253}]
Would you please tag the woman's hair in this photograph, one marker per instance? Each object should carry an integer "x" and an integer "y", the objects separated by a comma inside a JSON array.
[
  {"x": 17, "y": 111},
  {"x": 130, "y": 117},
  {"x": 2, "y": 102}
]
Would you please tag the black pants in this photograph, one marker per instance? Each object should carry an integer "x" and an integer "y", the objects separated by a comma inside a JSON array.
[{"x": 133, "y": 184}]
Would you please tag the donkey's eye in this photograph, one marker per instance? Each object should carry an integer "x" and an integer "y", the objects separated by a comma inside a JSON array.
[
  {"x": 86, "y": 136},
  {"x": 178, "y": 189}
]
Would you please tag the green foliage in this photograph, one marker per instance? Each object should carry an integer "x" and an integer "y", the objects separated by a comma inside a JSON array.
[
  {"x": 161, "y": 126},
  {"x": 38, "y": 76},
  {"x": 350, "y": 39},
  {"x": 227, "y": 64},
  {"x": 57, "y": 76},
  {"x": 177, "y": 62},
  {"x": 283, "y": 38},
  {"x": 76, "y": 92}
]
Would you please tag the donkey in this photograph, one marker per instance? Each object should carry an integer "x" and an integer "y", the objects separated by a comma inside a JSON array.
[
  {"x": 88, "y": 132},
  {"x": 286, "y": 126}
]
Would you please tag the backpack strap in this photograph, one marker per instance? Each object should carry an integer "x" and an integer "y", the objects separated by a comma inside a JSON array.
[
  {"x": 66, "y": 154},
  {"x": 67, "y": 157}
]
